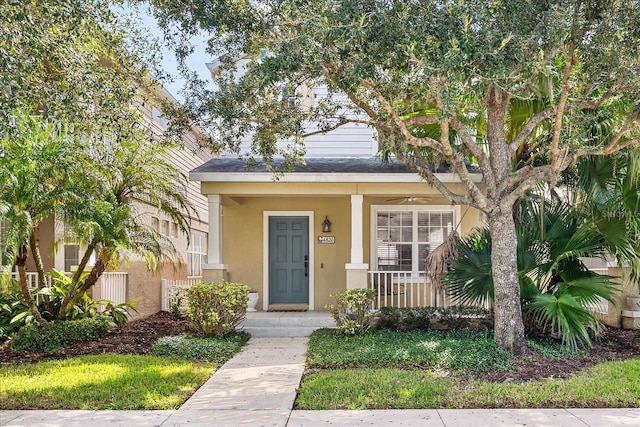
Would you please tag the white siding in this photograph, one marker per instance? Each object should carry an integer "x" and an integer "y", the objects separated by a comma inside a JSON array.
[{"x": 349, "y": 140}]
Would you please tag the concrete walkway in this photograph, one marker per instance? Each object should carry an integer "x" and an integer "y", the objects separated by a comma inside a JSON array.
[{"x": 258, "y": 387}]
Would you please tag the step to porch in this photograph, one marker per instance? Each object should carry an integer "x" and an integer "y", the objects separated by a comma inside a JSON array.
[{"x": 262, "y": 324}]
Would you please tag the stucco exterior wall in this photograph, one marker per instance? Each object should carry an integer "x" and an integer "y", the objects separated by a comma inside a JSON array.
[
  {"x": 243, "y": 211},
  {"x": 244, "y": 243}
]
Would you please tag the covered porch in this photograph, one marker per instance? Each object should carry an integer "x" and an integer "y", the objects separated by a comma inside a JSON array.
[{"x": 383, "y": 219}]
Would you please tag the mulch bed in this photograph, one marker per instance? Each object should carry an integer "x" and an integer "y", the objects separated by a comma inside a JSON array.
[
  {"x": 613, "y": 344},
  {"x": 139, "y": 336}
]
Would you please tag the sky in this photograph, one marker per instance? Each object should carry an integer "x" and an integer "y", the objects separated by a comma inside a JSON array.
[{"x": 196, "y": 61}]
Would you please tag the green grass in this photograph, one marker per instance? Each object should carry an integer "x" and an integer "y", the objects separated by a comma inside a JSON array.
[
  {"x": 611, "y": 384},
  {"x": 455, "y": 350},
  {"x": 106, "y": 381},
  {"x": 427, "y": 369}
]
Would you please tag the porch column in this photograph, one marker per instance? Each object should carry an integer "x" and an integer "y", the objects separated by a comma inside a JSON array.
[
  {"x": 214, "y": 270},
  {"x": 356, "y": 269}
]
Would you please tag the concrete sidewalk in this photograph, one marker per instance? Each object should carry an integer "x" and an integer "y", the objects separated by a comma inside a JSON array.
[{"x": 258, "y": 386}]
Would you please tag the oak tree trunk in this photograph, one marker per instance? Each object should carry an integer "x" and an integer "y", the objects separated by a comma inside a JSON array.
[{"x": 509, "y": 328}]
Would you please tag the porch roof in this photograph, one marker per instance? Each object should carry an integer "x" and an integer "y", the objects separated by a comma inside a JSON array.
[{"x": 344, "y": 169}]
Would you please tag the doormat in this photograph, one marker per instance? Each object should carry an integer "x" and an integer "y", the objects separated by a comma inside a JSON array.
[
  {"x": 288, "y": 307},
  {"x": 301, "y": 310}
]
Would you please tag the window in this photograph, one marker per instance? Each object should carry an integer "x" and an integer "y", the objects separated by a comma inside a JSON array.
[
  {"x": 158, "y": 118},
  {"x": 155, "y": 223},
  {"x": 174, "y": 229},
  {"x": 165, "y": 228},
  {"x": 196, "y": 253},
  {"x": 74, "y": 250},
  {"x": 403, "y": 235}
]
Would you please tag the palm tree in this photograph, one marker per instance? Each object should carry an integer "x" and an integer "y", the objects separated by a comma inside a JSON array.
[
  {"x": 134, "y": 174},
  {"x": 555, "y": 284},
  {"x": 99, "y": 186},
  {"x": 37, "y": 175}
]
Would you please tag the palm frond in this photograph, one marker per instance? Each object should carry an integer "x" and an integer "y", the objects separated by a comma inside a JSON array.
[{"x": 438, "y": 261}]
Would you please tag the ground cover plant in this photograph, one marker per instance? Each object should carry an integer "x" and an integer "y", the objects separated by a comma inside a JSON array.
[
  {"x": 454, "y": 350},
  {"x": 118, "y": 371},
  {"x": 217, "y": 349},
  {"x": 437, "y": 369}
]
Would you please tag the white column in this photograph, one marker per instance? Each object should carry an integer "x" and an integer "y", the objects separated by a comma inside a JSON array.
[
  {"x": 356, "y": 229},
  {"x": 356, "y": 269},
  {"x": 214, "y": 248}
]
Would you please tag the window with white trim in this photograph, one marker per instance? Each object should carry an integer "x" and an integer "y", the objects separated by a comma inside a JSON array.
[
  {"x": 74, "y": 250},
  {"x": 402, "y": 236},
  {"x": 196, "y": 253}
]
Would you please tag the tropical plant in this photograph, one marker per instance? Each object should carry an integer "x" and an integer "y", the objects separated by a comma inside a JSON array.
[
  {"x": 14, "y": 312},
  {"x": 131, "y": 172},
  {"x": 38, "y": 172},
  {"x": 63, "y": 285},
  {"x": 607, "y": 191},
  {"x": 555, "y": 285}
]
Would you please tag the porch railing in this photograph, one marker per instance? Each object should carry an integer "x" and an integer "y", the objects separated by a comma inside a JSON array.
[
  {"x": 175, "y": 292},
  {"x": 405, "y": 289}
]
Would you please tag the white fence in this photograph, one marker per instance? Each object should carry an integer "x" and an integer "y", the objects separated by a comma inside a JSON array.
[
  {"x": 404, "y": 289},
  {"x": 113, "y": 287},
  {"x": 32, "y": 279},
  {"x": 174, "y": 292}
]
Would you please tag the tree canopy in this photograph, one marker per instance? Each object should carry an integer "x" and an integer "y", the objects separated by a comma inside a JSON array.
[{"x": 438, "y": 80}]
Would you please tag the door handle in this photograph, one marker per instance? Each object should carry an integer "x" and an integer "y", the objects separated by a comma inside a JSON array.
[{"x": 306, "y": 266}]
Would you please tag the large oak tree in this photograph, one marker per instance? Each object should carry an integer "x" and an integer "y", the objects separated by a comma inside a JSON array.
[{"x": 436, "y": 79}]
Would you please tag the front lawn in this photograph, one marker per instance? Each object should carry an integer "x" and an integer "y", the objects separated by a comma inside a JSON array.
[
  {"x": 109, "y": 381},
  {"x": 118, "y": 381},
  {"x": 432, "y": 369}
]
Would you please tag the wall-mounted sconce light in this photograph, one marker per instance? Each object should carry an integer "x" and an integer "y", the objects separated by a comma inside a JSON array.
[{"x": 326, "y": 225}]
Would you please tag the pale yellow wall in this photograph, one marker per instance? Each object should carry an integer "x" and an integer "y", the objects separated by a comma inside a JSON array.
[
  {"x": 243, "y": 233},
  {"x": 244, "y": 242}
]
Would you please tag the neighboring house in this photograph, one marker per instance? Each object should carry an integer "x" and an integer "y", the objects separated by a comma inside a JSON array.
[{"x": 134, "y": 281}]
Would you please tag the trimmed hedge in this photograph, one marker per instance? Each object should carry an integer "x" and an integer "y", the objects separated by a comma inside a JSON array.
[
  {"x": 427, "y": 318},
  {"x": 53, "y": 336},
  {"x": 216, "y": 308}
]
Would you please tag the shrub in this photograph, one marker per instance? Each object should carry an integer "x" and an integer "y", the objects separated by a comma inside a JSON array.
[
  {"x": 211, "y": 349},
  {"x": 352, "y": 311},
  {"x": 53, "y": 336},
  {"x": 216, "y": 308},
  {"x": 425, "y": 318}
]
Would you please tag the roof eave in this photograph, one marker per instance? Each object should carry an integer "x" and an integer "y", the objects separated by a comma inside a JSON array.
[{"x": 322, "y": 177}]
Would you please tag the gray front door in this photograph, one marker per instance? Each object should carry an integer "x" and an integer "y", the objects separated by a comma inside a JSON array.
[{"x": 289, "y": 260}]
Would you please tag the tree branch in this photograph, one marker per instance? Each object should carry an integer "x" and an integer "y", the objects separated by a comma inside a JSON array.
[
  {"x": 557, "y": 129},
  {"x": 429, "y": 176},
  {"x": 475, "y": 150},
  {"x": 400, "y": 125},
  {"x": 531, "y": 125}
]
